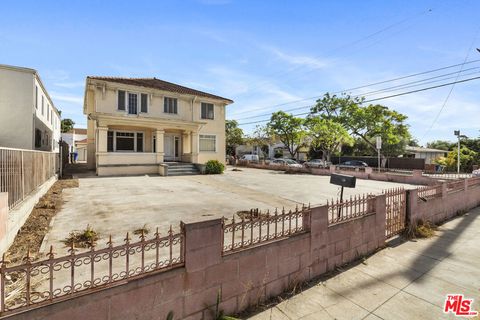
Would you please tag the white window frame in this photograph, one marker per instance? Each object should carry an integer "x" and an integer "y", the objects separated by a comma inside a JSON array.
[
  {"x": 134, "y": 141},
  {"x": 202, "y": 102},
  {"x": 139, "y": 102},
  {"x": 208, "y": 134}
]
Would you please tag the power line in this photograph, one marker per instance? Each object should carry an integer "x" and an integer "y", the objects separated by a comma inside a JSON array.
[
  {"x": 382, "y": 98},
  {"x": 453, "y": 86},
  {"x": 389, "y": 89},
  {"x": 277, "y": 74},
  {"x": 365, "y": 86}
]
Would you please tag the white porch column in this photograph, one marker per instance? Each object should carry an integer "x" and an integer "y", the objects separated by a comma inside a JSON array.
[
  {"x": 102, "y": 140},
  {"x": 194, "y": 139},
  {"x": 186, "y": 145},
  {"x": 159, "y": 144}
]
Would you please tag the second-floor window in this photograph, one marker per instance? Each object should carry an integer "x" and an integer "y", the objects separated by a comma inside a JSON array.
[
  {"x": 170, "y": 105},
  {"x": 144, "y": 103},
  {"x": 42, "y": 107},
  {"x": 48, "y": 112},
  {"x": 132, "y": 103},
  {"x": 36, "y": 97},
  {"x": 121, "y": 100},
  {"x": 207, "y": 111}
]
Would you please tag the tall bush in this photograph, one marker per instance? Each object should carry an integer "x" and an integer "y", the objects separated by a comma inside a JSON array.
[{"x": 214, "y": 167}]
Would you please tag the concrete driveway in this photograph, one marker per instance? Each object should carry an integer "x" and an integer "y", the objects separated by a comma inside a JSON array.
[{"x": 120, "y": 204}]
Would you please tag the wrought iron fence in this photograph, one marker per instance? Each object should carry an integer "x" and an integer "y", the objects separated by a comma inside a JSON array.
[
  {"x": 448, "y": 175},
  {"x": 396, "y": 209},
  {"x": 255, "y": 227},
  {"x": 35, "y": 283},
  {"x": 429, "y": 193},
  {"x": 349, "y": 168},
  {"x": 23, "y": 171},
  {"x": 393, "y": 171},
  {"x": 357, "y": 206}
]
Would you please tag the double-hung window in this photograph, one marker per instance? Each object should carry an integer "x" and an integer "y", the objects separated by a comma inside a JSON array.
[
  {"x": 132, "y": 103},
  {"x": 208, "y": 142},
  {"x": 121, "y": 100},
  {"x": 170, "y": 105},
  {"x": 144, "y": 103},
  {"x": 43, "y": 112},
  {"x": 36, "y": 97},
  {"x": 207, "y": 111}
]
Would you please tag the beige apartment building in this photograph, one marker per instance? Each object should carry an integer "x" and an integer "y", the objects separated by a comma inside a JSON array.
[
  {"x": 28, "y": 118},
  {"x": 142, "y": 125}
]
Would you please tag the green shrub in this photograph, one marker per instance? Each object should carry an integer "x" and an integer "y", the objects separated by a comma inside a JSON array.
[{"x": 214, "y": 167}]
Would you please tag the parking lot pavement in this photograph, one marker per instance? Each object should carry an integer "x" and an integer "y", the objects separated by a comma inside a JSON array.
[
  {"x": 118, "y": 205},
  {"x": 408, "y": 281}
]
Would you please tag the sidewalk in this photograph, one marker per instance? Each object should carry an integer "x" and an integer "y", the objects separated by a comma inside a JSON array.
[{"x": 409, "y": 281}]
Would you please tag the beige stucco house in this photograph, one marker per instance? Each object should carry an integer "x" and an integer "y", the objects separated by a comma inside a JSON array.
[
  {"x": 140, "y": 125},
  {"x": 28, "y": 118}
]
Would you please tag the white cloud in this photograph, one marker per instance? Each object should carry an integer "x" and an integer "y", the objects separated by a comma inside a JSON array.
[
  {"x": 70, "y": 85},
  {"x": 299, "y": 60},
  {"x": 67, "y": 98}
]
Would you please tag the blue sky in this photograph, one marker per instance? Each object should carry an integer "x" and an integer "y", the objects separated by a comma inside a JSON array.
[{"x": 258, "y": 53}]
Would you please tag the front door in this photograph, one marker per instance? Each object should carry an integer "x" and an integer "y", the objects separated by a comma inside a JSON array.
[{"x": 172, "y": 148}]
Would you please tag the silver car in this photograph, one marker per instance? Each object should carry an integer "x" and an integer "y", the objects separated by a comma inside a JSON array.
[
  {"x": 317, "y": 163},
  {"x": 286, "y": 162}
]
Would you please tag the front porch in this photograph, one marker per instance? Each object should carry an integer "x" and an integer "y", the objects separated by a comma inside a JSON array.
[{"x": 125, "y": 149}]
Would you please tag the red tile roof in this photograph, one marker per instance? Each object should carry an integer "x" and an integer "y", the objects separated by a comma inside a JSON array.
[{"x": 161, "y": 85}]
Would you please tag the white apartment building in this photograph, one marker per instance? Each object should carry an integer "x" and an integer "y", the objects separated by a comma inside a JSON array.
[{"x": 28, "y": 117}]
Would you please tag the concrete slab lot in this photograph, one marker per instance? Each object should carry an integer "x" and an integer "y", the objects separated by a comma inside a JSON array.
[{"x": 120, "y": 204}]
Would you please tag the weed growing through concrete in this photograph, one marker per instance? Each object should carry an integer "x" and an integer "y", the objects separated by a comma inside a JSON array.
[
  {"x": 421, "y": 229},
  {"x": 84, "y": 238},
  {"x": 143, "y": 230}
]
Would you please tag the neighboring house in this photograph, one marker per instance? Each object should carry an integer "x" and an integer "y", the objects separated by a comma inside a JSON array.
[
  {"x": 73, "y": 136},
  {"x": 430, "y": 155},
  {"x": 273, "y": 149},
  {"x": 28, "y": 117},
  {"x": 137, "y": 124},
  {"x": 81, "y": 148}
]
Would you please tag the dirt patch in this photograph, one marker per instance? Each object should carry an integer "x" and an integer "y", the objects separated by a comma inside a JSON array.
[{"x": 31, "y": 235}]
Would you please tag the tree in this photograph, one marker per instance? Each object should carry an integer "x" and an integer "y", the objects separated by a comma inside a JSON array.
[
  {"x": 234, "y": 136},
  {"x": 441, "y": 145},
  {"x": 326, "y": 135},
  {"x": 289, "y": 130},
  {"x": 366, "y": 122},
  {"x": 67, "y": 125},
  {"x": 468, "y": 158}
]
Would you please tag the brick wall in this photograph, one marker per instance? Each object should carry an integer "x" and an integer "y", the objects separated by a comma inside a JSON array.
[{"x": 245, "y": 278}]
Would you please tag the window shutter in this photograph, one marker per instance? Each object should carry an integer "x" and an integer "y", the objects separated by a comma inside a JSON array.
[
  {"x": 121, "y": 100},
  {"x": 144, "y": 103}
]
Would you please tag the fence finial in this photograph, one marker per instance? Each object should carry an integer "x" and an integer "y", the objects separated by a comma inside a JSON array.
[
  {"x": 127, "y": 238},
  {"x": 72, "y": 248},
  {"x": 110, "y": 242},
  {"x": 157, "y": 234},
  {"x": 50, "y": 253}
]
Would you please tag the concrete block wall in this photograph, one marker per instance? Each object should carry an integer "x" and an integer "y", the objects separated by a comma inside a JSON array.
[
  {"x": 244, "y": 278},
  {"x": 445, "y": 207}
]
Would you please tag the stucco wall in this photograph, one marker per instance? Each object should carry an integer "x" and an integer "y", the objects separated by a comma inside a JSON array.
[
  {"x": 16, "y": 109},
  {"x": 245, "y": 278}
]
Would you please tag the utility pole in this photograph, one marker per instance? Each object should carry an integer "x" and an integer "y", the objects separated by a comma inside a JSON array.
[
  {"x": 457, "y": 133},
  {"x": 379, "y": 146}
]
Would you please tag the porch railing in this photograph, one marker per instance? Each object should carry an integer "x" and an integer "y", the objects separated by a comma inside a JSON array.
[{"x": 23, "y": 171}]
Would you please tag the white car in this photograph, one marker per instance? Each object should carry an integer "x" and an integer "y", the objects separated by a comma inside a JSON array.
[
  {"x": 250, "y": 157},
  {"x": 476, "y": 173},
  {"x": 286, "y": 162}
]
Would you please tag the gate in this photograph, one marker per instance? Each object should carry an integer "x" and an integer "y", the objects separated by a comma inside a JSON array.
[{"x": 395, "y": 211}]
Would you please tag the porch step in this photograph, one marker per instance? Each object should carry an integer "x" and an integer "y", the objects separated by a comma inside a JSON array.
[{"x": 182, "y": 169}]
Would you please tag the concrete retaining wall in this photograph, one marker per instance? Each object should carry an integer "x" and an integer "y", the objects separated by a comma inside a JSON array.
[
  {"x": 17, "y": 216},
  {"x": 245, "y": 278}
]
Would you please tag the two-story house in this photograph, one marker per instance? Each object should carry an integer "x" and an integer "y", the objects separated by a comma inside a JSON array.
[
  {"x": 28, "y": 117},
  {"x": 139, "y": 125}
]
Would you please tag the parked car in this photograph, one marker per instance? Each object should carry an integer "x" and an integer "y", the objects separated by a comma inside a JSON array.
[
  {"x": 476, "y": 173},
  {"x": 250, "y": 157},
  {"x": 286, "y": 162},
  {"x": 353, "y": 163},
  {"x": 317, "y": 163}
]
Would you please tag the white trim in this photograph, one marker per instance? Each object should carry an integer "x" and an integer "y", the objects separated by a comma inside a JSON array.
[
  {"x": 208, "y": 134},
  {"x": 134, "y": 141}
]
